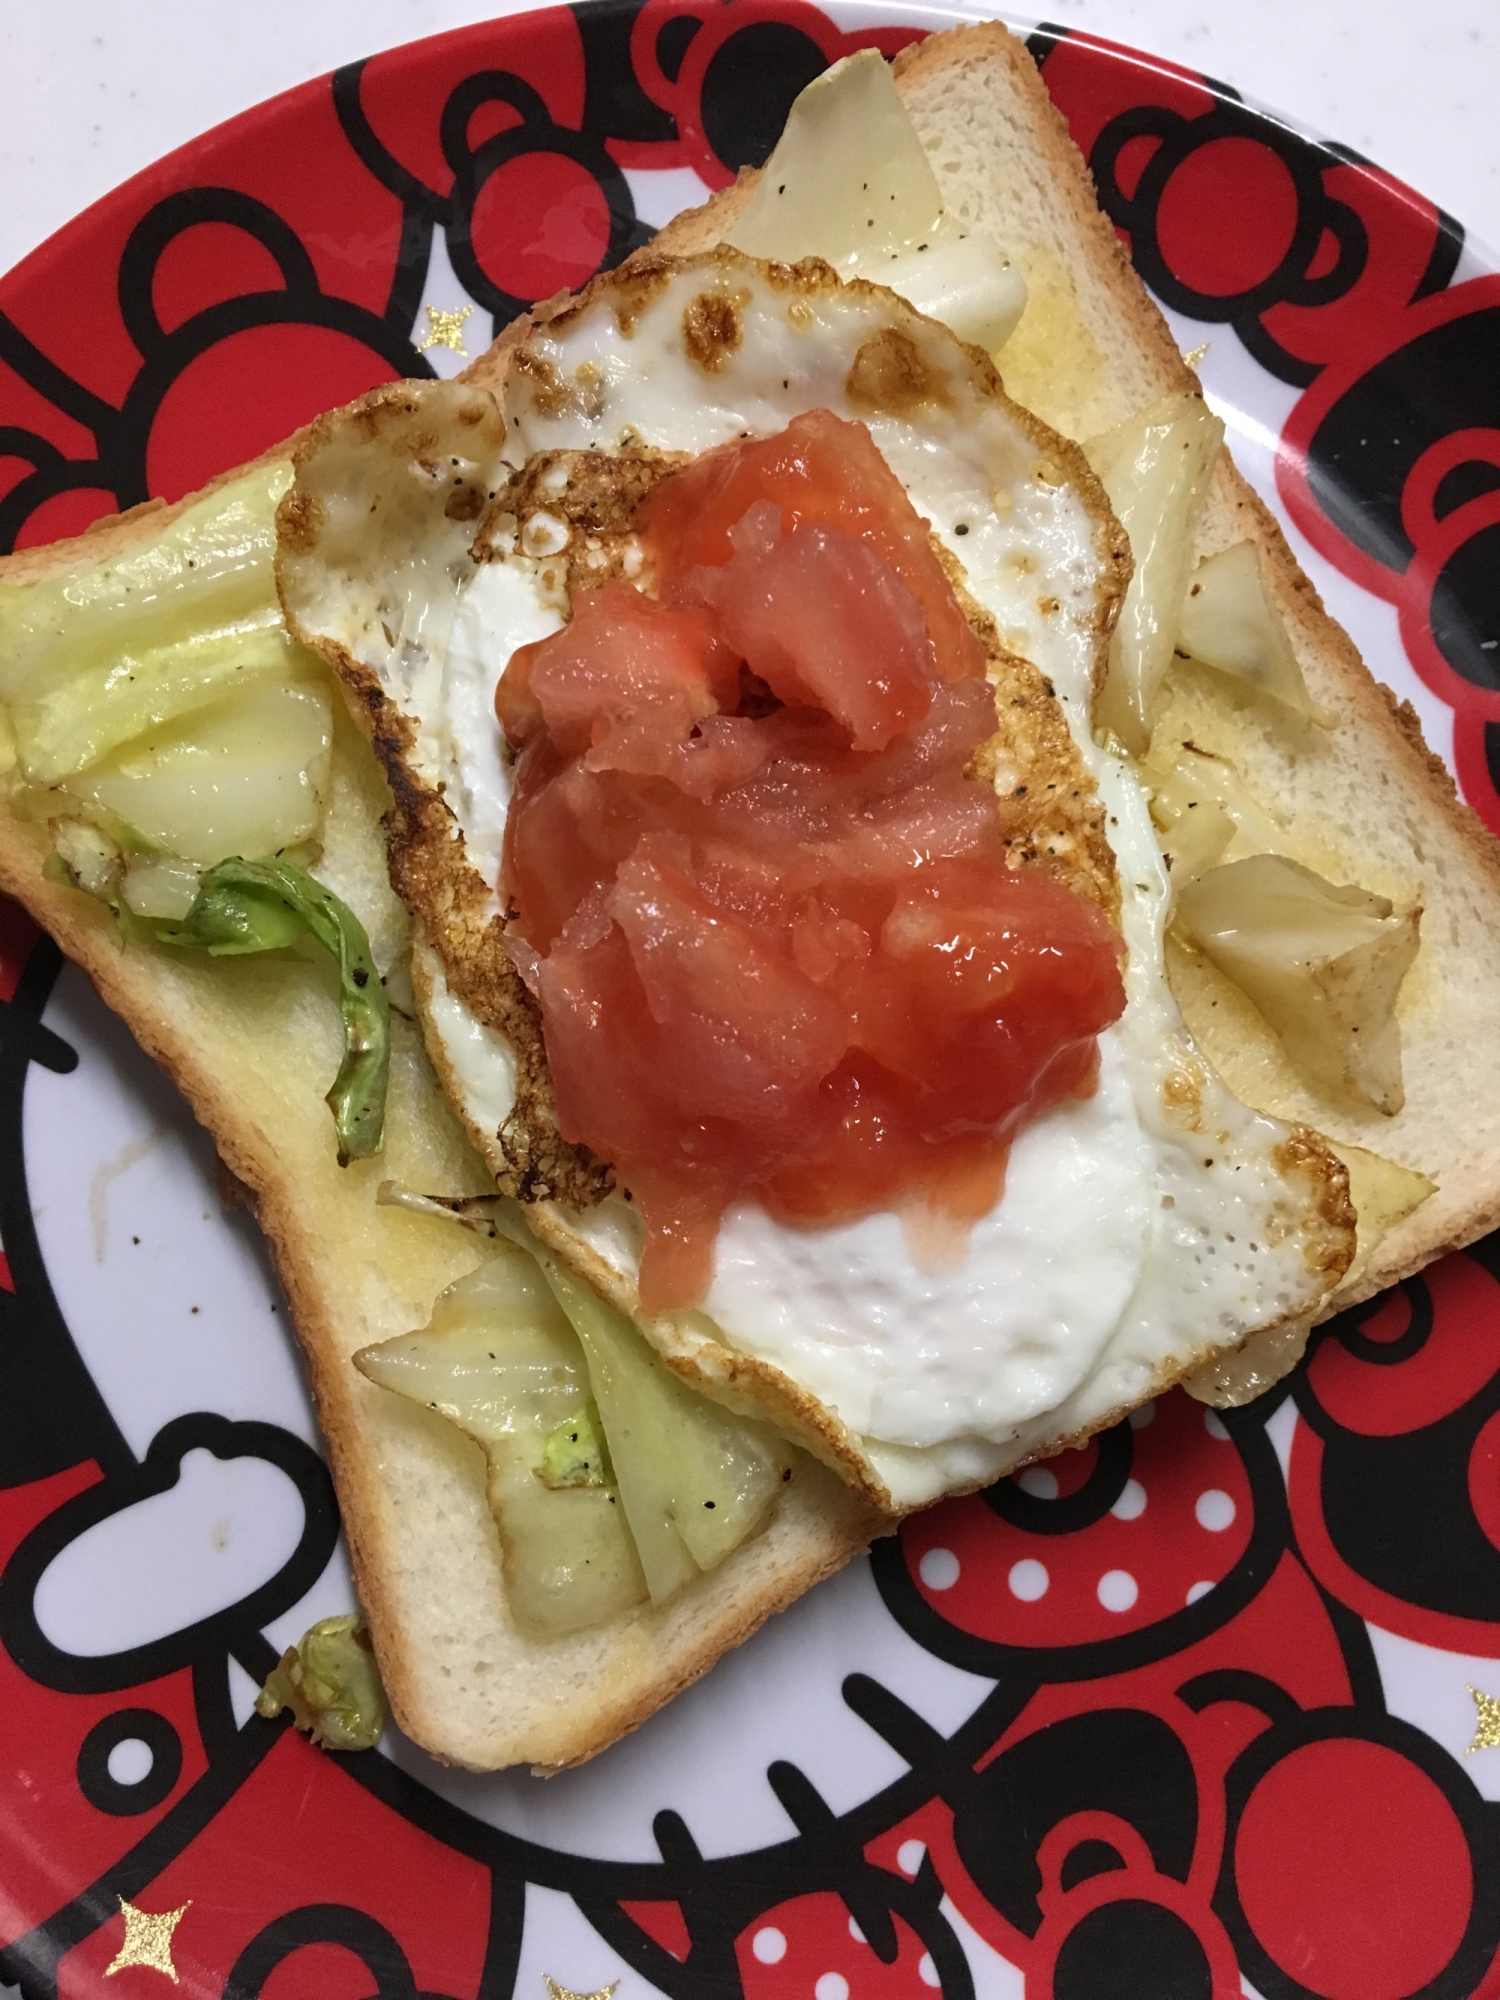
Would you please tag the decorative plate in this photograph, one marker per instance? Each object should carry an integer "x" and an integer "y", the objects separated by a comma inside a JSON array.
[{"x": 1211, "y": 1708}]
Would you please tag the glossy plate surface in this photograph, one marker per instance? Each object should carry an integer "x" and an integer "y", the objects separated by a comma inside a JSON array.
[{"x": 1212, "y": 1707}]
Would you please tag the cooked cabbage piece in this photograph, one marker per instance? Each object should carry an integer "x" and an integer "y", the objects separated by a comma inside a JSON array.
[
  {"x": 243, "y": 907},
  {"x": 160, "y": 888},
  {"x": 1191, "y": 818},
  {"x": 107, "y": 862},
  {"x": 1155, "y": 468},
  {"x": 1322, "y": 962},
  {"x": 100, "y": 654},
  {"x": 89, "y": 859},
  {"x": 330, "y": 1682},
  {"x": 849, "y": 182},
  {"x": 245, "y": 775},
  {"x": 576, "y": 1453},
  {"x": 500, "y": 1359},
  {"x": 694, "y": 1479},
  {"x": 1383, "y": 1194},
  {"x": 609, "y": 1479},
  {"x": 1230, "y": 624},
  {"x": 1226, "y": 1380},
  {"x": 156, "y": 697},
  {"x": 1199, "y": 804}
]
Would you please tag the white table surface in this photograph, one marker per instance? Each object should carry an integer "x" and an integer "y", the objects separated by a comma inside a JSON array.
[{"x": 96, "y": 89}]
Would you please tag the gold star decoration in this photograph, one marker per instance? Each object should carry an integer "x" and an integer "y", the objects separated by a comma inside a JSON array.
[
  {"x": 1486, "y": 1723},
  {"x": 445, "y": 329},
  {"x": 148, "y": 1940},
  {"x": 566, "y": 1992}
]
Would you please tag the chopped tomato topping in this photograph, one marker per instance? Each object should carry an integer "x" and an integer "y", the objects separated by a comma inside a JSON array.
[
  {"x": 821, "y": 472},
  {"x": 778, "y": 949},
  {"x": 626, "y": 678},
  {"x": 826, "y": 622}
]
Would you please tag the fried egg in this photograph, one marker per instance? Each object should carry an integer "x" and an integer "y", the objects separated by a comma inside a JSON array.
[{"x": 1140, "y": 1229}]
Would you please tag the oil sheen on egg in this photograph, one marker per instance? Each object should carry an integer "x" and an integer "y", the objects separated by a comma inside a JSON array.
[{"x": 1140, "y": 1228}]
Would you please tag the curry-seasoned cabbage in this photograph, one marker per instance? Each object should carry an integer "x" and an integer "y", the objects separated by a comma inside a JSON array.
[
  {"x": 99, "y": 654},
  {"x": 1155, "y": 467},
  {"x": 1229, "y": 623},
  {"x": 499, "y": 1359},
  {"x": 245, "y": 775},
  {"x": 849, "y": 182},
  {"x": 1323, "y": 963}
]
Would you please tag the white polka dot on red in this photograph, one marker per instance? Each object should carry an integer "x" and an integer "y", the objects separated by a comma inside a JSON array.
[
  {"x": 1118, "y": 1590},
  {"x": 939, "y": 1569},
  {"x": 769, "y": 1945},
  {"x": 1028, "y": 1579}
]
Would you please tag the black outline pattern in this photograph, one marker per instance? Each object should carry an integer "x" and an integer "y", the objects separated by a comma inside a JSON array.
[
  {"x": 1289, "y": 282},
  {"x": 127, "y": 1797},
  {"x": 1318, "y": 214}
]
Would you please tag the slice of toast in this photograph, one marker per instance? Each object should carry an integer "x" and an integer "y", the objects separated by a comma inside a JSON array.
[{"x": 253, "y": 1045}]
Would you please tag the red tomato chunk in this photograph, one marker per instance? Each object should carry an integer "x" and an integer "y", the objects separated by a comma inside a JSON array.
[{"x": 778, "y": 949}]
